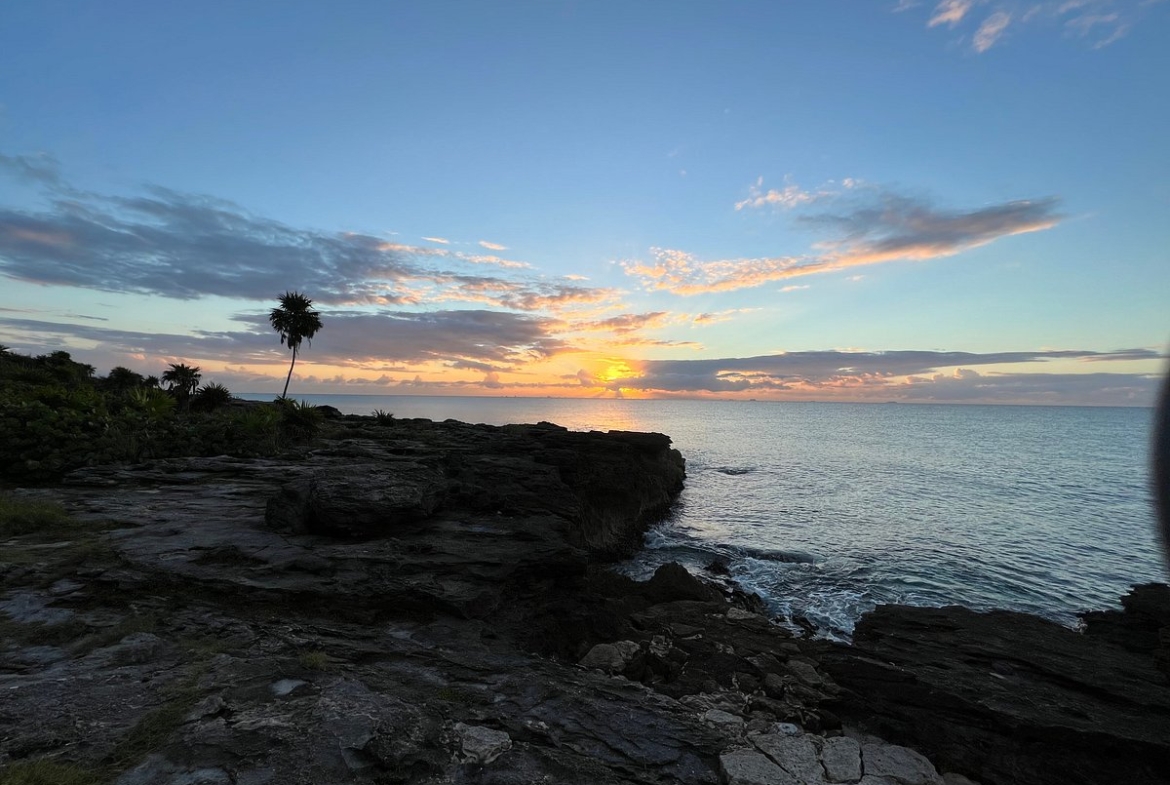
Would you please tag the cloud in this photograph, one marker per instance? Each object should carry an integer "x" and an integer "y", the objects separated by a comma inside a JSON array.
[
  {"x": 873, "y": 228},
  {"x": 899, "y": 227},
  {"x": 949, "y": 12},
  {"x": 348, "y": 339},
  {"x": 787, "y": 198},
  {"x": 1102, "y": 29},
  {"x": 626, "y": 322},
  {"x": 794, "y": 287},
  {"x": 990, "y": 31},
  {"x": 39, "y": 169},
  {"x": 170, "y": 244},
  {"x": 493, "y": 246},
  {"x": 716, "y": 317},
  {"x": 440, "y": 240},
  {"x": 899, "y": 375},
  {"x": 1097, "y": 22}
]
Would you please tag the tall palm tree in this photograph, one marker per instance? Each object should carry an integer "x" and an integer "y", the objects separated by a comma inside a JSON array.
[
  {"x": 296, "y": 321},
  {"x": 181, "y": 381}
]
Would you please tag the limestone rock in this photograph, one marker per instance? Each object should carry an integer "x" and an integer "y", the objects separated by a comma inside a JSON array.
[
  {"x": 841, "y": 757},
  {"x": 611, "y": 657},
  {"x": 478, "y": 744},
  {"x": 797, "y": 755},
  {"x": 744, "y": 767},
  {"x": 724, "y": 722},
  {"x": 899, "y": 764}
]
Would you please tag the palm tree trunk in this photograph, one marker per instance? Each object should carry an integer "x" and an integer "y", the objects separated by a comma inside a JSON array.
[{"x": 287, "y": 378}]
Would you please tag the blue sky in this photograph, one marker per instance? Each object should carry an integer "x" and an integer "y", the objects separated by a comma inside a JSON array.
[{"x": 953, "y": 201}]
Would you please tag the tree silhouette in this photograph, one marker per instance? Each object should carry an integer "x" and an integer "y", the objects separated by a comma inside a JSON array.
[
  {"x": 181, "y": 381},
  {"x": 296, "y": 321}
]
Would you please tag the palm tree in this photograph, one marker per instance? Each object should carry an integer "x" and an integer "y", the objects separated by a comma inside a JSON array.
[
  {"x": 296, "y": 321},
  {"x": 181, "y": 381}
]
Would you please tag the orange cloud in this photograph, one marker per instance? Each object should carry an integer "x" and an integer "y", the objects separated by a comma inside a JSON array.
[{"x": 896, "y": 229}]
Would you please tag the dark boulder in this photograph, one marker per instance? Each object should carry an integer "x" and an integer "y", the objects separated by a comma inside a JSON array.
[
  {"x": 1143, "y": 624},
  {"x": 1006, "y": 697}
]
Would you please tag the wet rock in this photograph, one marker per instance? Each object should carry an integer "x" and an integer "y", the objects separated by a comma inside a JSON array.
[
  {"x": 672, "y": 582},
  {"x": 1005, "y": 697}
]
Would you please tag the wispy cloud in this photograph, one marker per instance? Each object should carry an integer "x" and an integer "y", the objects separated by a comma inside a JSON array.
[
  {"x": 716, "y": 317},
  {"x": 41, "y": 169},
  {"x": 1098, "y": 23},
  {"x": 794, "y": 287},
  {"x": 873, "y": 227},
  {"x": 440, "y": 240},
  {"x": 493, "y": 246},
  {"x": 949, "y": 12},
  {"x": 990, "y": 31},
  {"x": 790, "y": 196},
  {"x": 162, "y": 242}
]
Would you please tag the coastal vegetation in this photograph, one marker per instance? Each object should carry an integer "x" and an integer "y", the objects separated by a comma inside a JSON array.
[
  {"x": 57, "y": 415},
  {"x": 295, "y": 320}
]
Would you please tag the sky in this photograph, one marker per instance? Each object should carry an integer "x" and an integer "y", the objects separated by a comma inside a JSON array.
[{"x": 889, "y": 200}]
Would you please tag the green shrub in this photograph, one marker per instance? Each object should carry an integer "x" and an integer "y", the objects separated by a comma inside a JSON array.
[
  {"x": 152, "y": 402},
  {"x": 313, "y": 660},
  {"x": 383, "y": 418},
  {"x": 210, "y": 397},
  {"x": 25, "y": 516},
  {"x": 47, "y": 772},
  {"x": 299, "y": 420}
]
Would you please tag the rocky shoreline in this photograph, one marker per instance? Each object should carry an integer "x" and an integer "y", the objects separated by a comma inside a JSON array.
[{"x": 425, "y": 602}]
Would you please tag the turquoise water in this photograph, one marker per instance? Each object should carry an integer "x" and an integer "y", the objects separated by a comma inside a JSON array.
[{"x": 827, "y": 510}]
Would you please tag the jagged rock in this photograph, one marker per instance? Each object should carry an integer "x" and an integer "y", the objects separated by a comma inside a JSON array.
[
  {"x": 805, "y": 672},
  {"x": 611, "y": 657},
  {"x": 1142, "y": 626},
  {"x": 950, "y": 778},
  {"x": 1005, "y": 697},
  {"x": 899, "y": 764},
  {"x": 672, "y": 582},
  {"x": 481, "y": 745},
  {"x": 744, "y": 767},
  {"x": 725, "y": 722},
  {"x": 797, "y": 755},
  {"x": 359, "y": 500},
  {"x": 841, "y": 757}
]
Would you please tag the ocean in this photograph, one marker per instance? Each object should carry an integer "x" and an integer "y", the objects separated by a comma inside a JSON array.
[{"x": 827, "y": 509}]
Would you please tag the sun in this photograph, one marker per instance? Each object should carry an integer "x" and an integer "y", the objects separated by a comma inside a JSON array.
[{"x": 616, "y": 370}]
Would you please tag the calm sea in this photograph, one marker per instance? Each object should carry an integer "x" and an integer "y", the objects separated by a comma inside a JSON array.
[{"x": 829, "y": 509}]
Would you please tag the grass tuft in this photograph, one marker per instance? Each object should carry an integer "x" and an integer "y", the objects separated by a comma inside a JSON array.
[
  {"x": 47, "y": 772},
  {"x": 19, "y": 516},
  {"x": 313, "y": 660}
]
